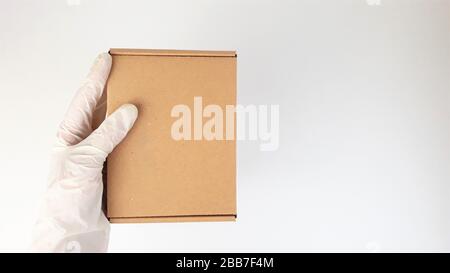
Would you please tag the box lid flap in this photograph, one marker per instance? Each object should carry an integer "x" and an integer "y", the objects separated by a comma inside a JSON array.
[{"x": 170, "y": 52}]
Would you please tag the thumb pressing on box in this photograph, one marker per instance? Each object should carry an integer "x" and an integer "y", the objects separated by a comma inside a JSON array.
[{"x": 113, "y": 130}]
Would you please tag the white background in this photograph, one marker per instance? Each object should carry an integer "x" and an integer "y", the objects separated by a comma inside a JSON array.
[{"x": 364, "y": 95}]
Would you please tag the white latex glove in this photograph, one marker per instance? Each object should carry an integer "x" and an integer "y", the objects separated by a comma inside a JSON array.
[{"x": 71, "y": 219}]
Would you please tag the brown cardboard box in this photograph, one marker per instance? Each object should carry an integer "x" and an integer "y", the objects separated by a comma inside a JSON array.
[{"x": 152, "y": 177}]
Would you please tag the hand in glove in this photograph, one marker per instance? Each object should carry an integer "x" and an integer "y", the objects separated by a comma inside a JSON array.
[{"x": 71, "y": 219}]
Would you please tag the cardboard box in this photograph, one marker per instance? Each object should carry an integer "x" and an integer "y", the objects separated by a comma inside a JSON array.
[{"x": 152, "y": 177}]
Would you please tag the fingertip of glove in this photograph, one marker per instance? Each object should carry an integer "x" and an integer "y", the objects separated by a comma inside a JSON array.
[
  {"x": 105, "y": 57},
  {"x": 130, "y": 109},
  {"x": 102, "y": 63}
]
